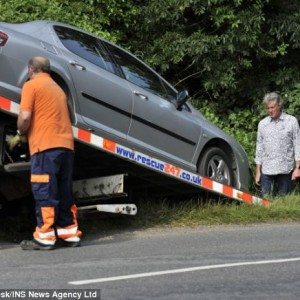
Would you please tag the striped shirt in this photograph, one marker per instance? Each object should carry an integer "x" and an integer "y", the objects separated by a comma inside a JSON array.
[{"x": 278, "y": 144}]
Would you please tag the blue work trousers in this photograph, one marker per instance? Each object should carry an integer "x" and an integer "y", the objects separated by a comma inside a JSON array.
[{"x": 51, "y": 181}]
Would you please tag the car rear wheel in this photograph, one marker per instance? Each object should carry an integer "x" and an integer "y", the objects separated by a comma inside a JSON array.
[{"x": 215, "y": 164}]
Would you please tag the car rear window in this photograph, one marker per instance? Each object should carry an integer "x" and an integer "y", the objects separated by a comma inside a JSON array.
[
  {"x": 139, "y": 74},
  {"x": 86, "y": 46}
]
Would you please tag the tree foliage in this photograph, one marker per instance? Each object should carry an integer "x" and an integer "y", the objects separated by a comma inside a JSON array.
[
  {"x": 230, "y": 51},
  {"x": 102, "y": 17}
]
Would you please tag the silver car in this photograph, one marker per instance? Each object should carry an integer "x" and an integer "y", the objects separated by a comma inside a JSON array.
[{"x": 115, "y": 95}]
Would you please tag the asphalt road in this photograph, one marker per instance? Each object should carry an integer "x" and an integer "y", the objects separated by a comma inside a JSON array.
[{"x": 220, "y": 262}]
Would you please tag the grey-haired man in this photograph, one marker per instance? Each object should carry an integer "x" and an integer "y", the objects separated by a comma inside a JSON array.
[{"x": 277, "y": 149}]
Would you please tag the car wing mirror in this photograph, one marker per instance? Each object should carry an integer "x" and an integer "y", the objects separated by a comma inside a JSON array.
[{"x": 181, "y": 98}]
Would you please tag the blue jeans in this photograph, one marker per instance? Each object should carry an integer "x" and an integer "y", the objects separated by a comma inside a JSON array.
[{"x": 274, "y": 185}]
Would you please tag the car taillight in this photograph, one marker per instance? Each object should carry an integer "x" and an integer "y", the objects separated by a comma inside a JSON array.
[{"x": 3, "y": 38}]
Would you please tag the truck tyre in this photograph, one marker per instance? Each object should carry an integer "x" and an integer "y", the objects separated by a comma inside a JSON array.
[{"x": 216, "y": 165}]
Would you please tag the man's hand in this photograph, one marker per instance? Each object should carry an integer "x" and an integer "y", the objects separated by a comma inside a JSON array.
[
  {"x": 257, "y": 178},
  {"x": 258, "y": 174},
  {"x": 13, "y": 141},
  {"x": 296, "y": 174}
]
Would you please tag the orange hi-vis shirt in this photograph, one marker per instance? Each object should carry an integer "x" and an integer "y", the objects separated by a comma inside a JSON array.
[{"x": 50, "y": 125}]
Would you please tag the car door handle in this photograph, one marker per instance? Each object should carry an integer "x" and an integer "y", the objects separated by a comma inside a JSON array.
[
  {"x": 144, "y": 97},
  {"x": 77, "y": 65}
]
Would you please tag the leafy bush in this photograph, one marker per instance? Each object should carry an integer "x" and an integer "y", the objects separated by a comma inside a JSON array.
[
  {"x": 101, "y": 17},
  {"x": 292, "y": 101}
]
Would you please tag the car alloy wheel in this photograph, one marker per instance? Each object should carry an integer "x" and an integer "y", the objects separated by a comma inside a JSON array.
[{"x": 216, "y": 165}]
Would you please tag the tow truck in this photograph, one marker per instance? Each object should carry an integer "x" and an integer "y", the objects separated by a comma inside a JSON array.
[{"x": 106, "y": 173}]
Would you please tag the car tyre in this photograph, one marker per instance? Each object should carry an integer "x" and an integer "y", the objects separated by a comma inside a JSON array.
[{"x": 216, "y": 165}]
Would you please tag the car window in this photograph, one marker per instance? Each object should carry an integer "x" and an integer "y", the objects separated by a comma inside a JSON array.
[
  {"x": 139, "y": 74},
  {"x": 85, "y": 46}
]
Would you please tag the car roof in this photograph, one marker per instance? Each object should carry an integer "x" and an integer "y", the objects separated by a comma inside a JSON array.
[{"x": 33, "y": 26}]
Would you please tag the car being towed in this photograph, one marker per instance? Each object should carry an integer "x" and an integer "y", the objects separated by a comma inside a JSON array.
[{"x": 115, "y": 95}]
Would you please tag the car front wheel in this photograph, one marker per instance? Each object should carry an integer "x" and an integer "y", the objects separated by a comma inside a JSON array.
[{"x": 215, "y": 164}]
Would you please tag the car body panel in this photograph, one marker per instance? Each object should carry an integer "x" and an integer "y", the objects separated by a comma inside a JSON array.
[
  {"x": 158, "y": 124},
  {"x": 102, "y": 104}
]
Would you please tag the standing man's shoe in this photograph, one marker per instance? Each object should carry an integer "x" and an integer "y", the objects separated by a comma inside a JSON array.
[
  {"x": 35, "y": 245},
  {"x": 64, "y": 243}
]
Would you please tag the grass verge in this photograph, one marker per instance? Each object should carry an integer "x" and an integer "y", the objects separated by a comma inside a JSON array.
[
  {"x": 168, "y": 213},
  {"x": 193, "y": 213}
]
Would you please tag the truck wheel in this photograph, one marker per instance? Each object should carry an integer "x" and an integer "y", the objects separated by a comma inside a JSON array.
[{"x": 215, "y": 164}]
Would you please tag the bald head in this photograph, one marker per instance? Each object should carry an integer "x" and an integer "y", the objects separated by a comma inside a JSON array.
[{"x": 39, "y": 64}]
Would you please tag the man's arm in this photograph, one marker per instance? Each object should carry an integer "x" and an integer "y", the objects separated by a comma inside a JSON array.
[
  {"x": 23, "y": 122},
  {"x": 296, "y": 142},
  {"x": 258, "y": 155}
]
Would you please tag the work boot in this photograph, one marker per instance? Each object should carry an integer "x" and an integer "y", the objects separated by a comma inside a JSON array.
[
  {"x": 35, "y": 245},
  {"x": 64, "y": 243}
]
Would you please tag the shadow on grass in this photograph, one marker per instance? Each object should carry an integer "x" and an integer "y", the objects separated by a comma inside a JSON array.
[{"x": 17, "y": 220}]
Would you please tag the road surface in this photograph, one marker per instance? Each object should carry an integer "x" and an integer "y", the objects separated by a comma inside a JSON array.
[{"x": 219, "y": 262}]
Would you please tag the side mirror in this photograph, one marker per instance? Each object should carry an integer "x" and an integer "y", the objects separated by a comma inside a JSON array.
[{"x": 182, "y": 97}]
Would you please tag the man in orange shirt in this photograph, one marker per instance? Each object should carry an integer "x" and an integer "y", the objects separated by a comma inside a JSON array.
[{"x": 44, "y": 118}]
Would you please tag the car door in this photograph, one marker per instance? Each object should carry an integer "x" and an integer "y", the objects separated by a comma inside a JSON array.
[
  {"x": 156, "y": 123},
  {"x": 104, "y": 98}
]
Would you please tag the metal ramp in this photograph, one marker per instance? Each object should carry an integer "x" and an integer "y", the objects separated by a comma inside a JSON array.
[{"x": 165, "y": 168}]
